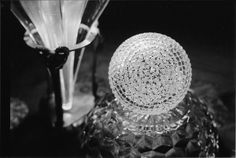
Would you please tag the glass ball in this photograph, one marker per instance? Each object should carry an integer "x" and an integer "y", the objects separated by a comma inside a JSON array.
[{"x": 150, "y": 73}]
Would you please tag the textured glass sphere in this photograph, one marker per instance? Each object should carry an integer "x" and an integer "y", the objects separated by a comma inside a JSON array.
[{"x": 150, "y": 73}]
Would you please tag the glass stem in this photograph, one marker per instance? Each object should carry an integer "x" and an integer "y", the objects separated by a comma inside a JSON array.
[
  {"x": 54, "y": 64},
  {"x": 55, "y": 74}
]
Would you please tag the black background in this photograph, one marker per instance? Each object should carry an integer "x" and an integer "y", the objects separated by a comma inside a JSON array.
[
  {"x": 196, "y": 23},
  {"x": 192, "y": 24}
]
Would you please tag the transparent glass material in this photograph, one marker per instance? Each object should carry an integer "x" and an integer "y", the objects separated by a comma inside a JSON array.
[
  {"x": 150, "y": 74},
  {"x": 56, "y": 23},
  {"x": 154, "y": 124},
  {"x": 106, "y": 128},
  {"x": 152, "y": 112}
]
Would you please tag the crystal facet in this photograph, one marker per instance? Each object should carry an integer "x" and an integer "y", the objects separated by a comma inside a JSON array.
[
  {"x": 103, "y": 128},
  {"x": 152, "y": 114},
  {"x": 150, "y": 74}
]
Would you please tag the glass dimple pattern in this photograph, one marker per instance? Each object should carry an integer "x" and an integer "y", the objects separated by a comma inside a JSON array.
[{"x": 150, "y": 73}]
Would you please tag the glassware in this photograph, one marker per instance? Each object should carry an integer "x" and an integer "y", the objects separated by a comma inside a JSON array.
[
  {"x": 152, "y": 112},
  {"x": 52, "y": 28},
  {"x": 150, "y": 74}
]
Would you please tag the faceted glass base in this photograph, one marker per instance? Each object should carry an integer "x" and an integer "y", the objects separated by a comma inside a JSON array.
[
  {"x": 153, "y": 124},
  {"x": 106, "y": 132}
]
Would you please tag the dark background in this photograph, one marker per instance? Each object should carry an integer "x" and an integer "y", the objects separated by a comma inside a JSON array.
[
  {"x": 206, "y": 30},
  {"x": 203, "y": 28}
]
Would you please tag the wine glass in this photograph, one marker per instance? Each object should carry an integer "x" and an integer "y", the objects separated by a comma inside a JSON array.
[{"x": 60, "y": 30}]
